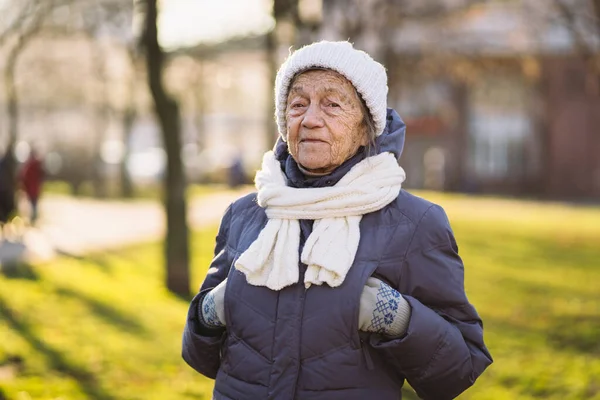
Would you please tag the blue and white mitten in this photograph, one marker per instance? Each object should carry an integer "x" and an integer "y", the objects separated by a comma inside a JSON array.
[
  {"x": 383, "y": 310},
  {"x": 212, "y": 311}
]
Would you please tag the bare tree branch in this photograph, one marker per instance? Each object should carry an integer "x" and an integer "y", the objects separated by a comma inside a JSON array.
[
  {"x": 15, "y": 25},
  {"x": 23, "y": 31},
  {"x": 570, "y": 19},
  {"x": 23, "y": 38},
  {"x": 588, "y": 50}
]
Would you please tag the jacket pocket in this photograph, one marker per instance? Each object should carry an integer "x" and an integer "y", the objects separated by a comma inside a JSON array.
[
  {"x": 251, "y": 311},
  {"x": 366, "y": 271},
  {"x": 245, "y": 363}
]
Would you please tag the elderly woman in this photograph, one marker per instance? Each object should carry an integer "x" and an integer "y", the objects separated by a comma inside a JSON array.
[{"x": 332, "y": 282}]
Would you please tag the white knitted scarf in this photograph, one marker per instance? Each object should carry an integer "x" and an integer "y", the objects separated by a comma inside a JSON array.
[{"x": 329, "y": 251}]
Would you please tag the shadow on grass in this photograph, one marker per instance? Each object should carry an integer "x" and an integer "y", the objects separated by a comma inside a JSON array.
[
  {"x": 104, "y": 261},
  {"x": 19, "y": 270},
  {"x": 12, "y": 264},
  {"x": 85, "y": 379},
  {"x": 108, "y": 260},
  {"x": 104, "y": 311},
  {"x": 577, "y": 333},
  {"x": 137, "y": 254},
  {"x": 98, "y": 259},
  {"x": 551, "y": 258},
  {"x": 518, "y": 250}
]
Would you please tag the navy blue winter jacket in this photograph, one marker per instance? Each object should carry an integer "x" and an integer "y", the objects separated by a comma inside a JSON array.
[{"x": 305, "y": 344}]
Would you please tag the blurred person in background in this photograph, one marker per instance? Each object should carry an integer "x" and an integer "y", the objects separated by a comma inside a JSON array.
[
  {"x": 332, "y": 282},
  {"x": 236, "y": 174},
  {"x": 7, "y": 195},
  {"x": 31, "y": 179}
]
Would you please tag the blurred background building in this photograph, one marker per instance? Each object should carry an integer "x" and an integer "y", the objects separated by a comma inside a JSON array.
[{"x": 499, "y": 96}]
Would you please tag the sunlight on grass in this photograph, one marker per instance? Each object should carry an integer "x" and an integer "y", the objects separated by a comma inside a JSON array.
[
  {"x": 146, "y": 192},
  {"x": 103, "y": 327}
]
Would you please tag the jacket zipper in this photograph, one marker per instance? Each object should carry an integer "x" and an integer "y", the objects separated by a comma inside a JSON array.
[{"x": 300, "y": 339}]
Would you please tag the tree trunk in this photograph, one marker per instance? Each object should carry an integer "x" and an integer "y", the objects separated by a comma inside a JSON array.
[
  {"x": 101, "y": 116},
  {"x": 12, "y": 97},
  {"x": 167, "y": 110},
  {"x": 284, "y": 11},
  {"x": 12, "y": 110},
  {"x": 199, "y": 107},
  {"x": 270, "y": 123},
  {"x": 128, "y": 119},
  {"x": 126, "y": 185},
  {"x": 596, "y": 7}
]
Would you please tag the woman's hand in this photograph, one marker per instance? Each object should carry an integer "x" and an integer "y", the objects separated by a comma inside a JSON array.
[
  {"x": 383, "y": 310},
  {"x": 213, "y": 307}
]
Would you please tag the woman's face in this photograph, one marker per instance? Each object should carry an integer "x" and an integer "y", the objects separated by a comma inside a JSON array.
[{"x": 324, "y": 120}]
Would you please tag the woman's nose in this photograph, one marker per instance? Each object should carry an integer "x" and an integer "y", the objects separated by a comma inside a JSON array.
[{"x": 312, "y": 117}]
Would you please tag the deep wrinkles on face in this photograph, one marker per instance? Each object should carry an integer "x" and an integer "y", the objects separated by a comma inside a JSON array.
[{"x": 345, "y": 125}]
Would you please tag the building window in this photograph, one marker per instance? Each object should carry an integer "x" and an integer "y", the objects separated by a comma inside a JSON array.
[{"x": 500, "y": 128}]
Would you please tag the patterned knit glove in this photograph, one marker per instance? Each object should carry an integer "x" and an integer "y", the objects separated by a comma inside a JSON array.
[
  {"x": 383, "y": 310},
  {"x": 212, "y": 312}
]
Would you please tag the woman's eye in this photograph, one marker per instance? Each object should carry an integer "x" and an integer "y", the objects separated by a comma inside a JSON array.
[
  {"x": 297, "y": 105},
  {"x": 333, "y": 104}
]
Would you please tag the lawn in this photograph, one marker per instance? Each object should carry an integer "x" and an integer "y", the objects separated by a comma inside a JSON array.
[
  {"x": 103, "y": 327},
  {"x": 147, "y": 192}
]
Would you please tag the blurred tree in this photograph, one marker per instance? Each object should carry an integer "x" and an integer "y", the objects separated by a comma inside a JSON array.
[
  {"x": 103, "y": 23},
  {"x": 101, "y": 119},
  {"x": 199, "y": 106},
  {"x": 285, "y": 13},
  {"x": 167, "y": 111},
  {"x": 292, "y": 28},
  {"x": 365, "y": 23},
  {"x": 75, "y": 159},
  {"x": 19, "y": 32},
  {"x": 596, "y": 5},
  {"x": 128, "y": 120},
  {"x": 582, "y": 19},
  {"x": 111, "y": 19}
]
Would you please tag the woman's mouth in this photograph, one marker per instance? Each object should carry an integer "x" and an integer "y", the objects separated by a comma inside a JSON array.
[{"x": 312, "y": 141}]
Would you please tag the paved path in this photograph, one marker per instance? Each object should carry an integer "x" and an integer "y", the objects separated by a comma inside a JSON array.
[{"x": 76, "y": 226}]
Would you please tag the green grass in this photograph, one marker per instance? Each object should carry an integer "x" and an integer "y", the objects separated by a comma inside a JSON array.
[
  {"x": 533, "y": 272},
  {"x": 147, "y": 192},
  {"x": 104, "y": 327}
]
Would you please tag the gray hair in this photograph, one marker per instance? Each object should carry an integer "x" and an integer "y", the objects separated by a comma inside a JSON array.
[{"x": 368, "y": 123}]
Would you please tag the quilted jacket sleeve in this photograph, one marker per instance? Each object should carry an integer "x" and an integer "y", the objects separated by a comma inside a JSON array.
[
  {"x": 442, "y": 352},
  {"x": 201, "y": 347}
]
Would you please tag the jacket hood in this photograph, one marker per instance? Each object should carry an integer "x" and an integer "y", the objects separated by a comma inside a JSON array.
[{"x": 391, "y": 140}]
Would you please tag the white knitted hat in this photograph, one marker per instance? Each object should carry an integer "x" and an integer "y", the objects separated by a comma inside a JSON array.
[{"x": 367, "y": 75}]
